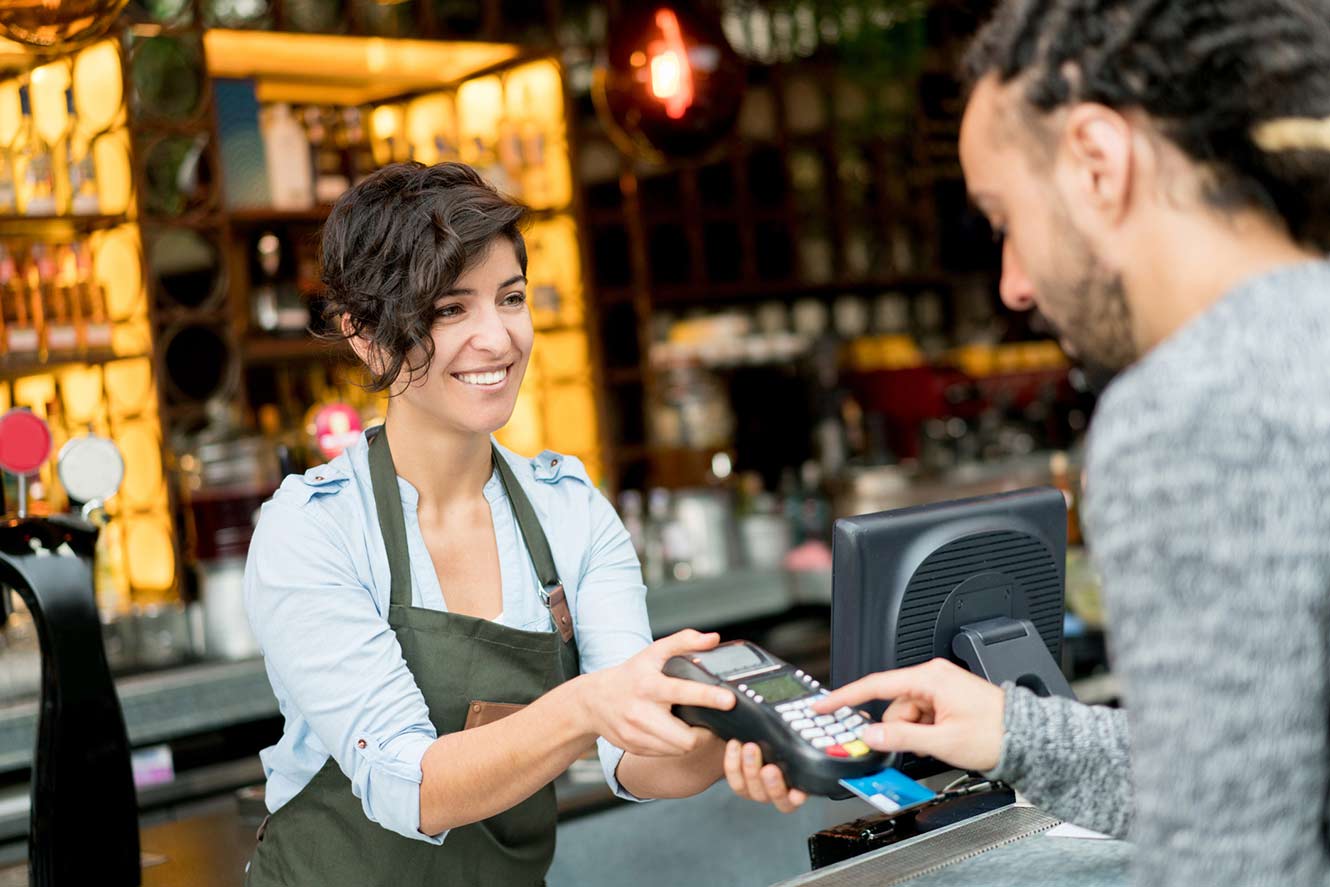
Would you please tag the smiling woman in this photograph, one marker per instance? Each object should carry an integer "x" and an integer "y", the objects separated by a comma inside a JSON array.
[{"x": 447, "y": 625}]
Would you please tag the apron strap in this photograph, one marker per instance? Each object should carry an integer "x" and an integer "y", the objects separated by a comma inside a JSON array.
[
  {"x": 552, "y": 593},
  {"x": 388, "y": 504}
]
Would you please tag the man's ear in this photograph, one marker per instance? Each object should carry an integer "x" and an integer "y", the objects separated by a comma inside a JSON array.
[{"x": 1097, "y": 143}]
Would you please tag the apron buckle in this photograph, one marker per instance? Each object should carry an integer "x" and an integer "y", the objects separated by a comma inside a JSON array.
[{"x": 553, "y": 596}]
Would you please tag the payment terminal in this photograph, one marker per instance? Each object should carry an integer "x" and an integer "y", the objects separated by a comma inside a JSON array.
[{"x": 814, "y": 751}]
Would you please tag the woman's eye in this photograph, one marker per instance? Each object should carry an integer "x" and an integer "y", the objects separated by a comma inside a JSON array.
[
  {"x": 448, "y": 311},
  {"x": 514, "y": 298}
]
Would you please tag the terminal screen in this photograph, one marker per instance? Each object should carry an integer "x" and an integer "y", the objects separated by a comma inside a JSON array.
[
  {"x": 729, "y": 660},
  {"x": 779, "y": 689}
]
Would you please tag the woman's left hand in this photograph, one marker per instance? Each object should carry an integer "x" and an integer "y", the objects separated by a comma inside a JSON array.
[{"x": 751, "y": 779}]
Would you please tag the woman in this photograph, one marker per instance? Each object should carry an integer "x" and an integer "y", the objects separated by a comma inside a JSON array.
[{"x": 447, "y": 625}]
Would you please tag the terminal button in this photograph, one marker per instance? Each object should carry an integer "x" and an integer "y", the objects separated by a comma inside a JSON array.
[
  {"x": 837, "y": 751},
  {"x": 802, "y": 724},
  {"x": 857, "y": 749}
]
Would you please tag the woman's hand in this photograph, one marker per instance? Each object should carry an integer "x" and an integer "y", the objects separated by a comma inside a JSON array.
[
  {"x": 938, "y": 709},
  {"x": 629, "y": 704},
  {"x": 751, "y": 779}
]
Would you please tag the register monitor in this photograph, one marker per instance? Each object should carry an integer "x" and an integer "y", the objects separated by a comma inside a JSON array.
[{"x": 978, "y": 581}]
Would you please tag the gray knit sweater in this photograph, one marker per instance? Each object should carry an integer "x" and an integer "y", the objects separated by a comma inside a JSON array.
[{"x": 1207, "y": 510}]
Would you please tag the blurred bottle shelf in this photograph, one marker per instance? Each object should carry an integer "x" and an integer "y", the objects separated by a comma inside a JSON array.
[
  {"x": 271, "y": 349},
  {"x": 56, "y": 226},
  {"x": 15, "y": 366}
]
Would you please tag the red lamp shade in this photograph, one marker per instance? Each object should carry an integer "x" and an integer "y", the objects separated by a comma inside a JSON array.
[{"x": 671, "y": 85}]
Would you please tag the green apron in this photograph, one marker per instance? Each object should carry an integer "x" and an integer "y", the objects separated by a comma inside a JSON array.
[{"x": 322, "y": 838}]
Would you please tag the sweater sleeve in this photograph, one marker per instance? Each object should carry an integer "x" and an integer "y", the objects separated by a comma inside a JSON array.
[
  {"x": 1208, "y": 521},
  {"x": 1067, "y": 758}
]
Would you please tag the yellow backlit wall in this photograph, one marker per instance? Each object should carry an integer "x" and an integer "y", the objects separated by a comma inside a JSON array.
[
  {"x": 511, "y": 127},
  {"x": 117, "y": 398}
]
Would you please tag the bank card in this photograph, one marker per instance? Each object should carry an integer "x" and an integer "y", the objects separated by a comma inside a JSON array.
[{"x": 890, "y": 790}]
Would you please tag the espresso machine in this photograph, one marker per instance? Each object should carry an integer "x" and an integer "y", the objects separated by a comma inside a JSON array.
[{"x": 84, "y": 819}]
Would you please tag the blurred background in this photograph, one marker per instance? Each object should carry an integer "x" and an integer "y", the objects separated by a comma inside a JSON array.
[{"x": 762, "y": 302}]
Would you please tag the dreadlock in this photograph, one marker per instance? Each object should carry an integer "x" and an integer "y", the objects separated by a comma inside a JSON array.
[{"x": 1212, "y": 76}]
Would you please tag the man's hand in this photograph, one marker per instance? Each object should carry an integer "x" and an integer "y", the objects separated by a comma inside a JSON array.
[{"x": 938, "y": 709}]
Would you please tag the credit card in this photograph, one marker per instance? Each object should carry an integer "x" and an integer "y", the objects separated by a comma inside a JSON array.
[{"x": 890, "y": 790}]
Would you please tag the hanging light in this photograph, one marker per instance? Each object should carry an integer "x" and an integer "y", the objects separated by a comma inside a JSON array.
[
  {"x": 671, "y": 85},
  {"x": 57, "y": 25}
]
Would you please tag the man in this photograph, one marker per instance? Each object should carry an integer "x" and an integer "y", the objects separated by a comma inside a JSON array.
[{"x": 1161, "y": 174}]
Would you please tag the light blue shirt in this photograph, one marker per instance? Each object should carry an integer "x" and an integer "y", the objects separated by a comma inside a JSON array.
[{"x": 317, "y": 589}]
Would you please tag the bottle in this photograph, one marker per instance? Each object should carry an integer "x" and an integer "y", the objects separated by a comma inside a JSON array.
[
  {"x": 21, "y": 339},
  {"x": 59, "y": 279},
  {"x": 357, "y": 154},
  {"x": 92, "y": 300},
  {"x": 630, "y": 511},
  {"x": 11, "y": 120},
  {"x": 35, "y": 277},
  {"x": 37, "y": 184},
  {"x": 286, "y": 150},
  {"x": 330, "y": 180},
  {"x": 84, "y": 200},
  {"x": 1059, "y": 467}
]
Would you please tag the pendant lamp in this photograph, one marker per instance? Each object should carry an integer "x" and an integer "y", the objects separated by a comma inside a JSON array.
[{"x": 671, "y": 84}]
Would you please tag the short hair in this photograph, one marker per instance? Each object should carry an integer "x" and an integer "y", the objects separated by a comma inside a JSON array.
[
  {"x": 1210, "y": 75},
  {"x": 397, "y": 241}
]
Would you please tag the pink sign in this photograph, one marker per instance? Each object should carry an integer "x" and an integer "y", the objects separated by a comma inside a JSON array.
[{"x": 336, "y": 427}]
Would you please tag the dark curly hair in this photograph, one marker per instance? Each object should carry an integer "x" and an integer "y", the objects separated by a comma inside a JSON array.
[
  {"x": 1209, "y": 73},
  {"x": 398, "y": 240}
]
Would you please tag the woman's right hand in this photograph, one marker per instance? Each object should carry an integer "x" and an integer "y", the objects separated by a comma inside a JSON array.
[{"x": 629, "y": 704}]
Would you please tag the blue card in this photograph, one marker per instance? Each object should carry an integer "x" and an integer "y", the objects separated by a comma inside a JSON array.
[{"x": 890, "y": 790}]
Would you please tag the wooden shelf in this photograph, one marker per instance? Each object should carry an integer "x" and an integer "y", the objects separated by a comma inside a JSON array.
[
  {"x": 249, "y": 217},
  {"x": 792, "y": 289},
  {"x": 17, "y": 366},
  {"x": 56, "y": 226},
  {"x": 267, "y": 350}
]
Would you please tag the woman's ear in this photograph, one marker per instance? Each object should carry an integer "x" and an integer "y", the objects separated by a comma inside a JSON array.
[{"x": 365, "y": 349}]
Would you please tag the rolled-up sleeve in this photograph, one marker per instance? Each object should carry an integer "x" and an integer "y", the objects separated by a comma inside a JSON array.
[
  {"x": 333, "y": 658},
  {"x": 611, "y": 617}
]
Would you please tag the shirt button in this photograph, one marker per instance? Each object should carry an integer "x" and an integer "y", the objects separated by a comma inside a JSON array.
[
  {"x": 360, "y": 744},
  {"x": 554, "y": 461},
  {"x": 475, "y": 708},
  {"x": 318, "y": 477}
]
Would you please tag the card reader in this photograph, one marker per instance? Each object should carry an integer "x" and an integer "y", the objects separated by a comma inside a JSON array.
[{"x": 773, "y": 710}]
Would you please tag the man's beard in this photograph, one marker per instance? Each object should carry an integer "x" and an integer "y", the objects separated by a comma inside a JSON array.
[{"x": 1092, "y": 309}]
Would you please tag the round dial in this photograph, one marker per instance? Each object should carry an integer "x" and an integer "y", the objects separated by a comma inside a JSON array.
[{"x": 91, "y": 468}]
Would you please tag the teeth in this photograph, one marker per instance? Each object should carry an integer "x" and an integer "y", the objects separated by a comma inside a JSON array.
[{"x": 493, "y": 378}]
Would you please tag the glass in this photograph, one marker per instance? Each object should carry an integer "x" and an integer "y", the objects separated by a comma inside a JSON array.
[
  {"x": 186, "y": 266},
  {"x": 179, "y": 175},
  {"x": 385, "y": 19},
  {"x": 167, "y": 77},
  {"x": 198, "y": 363},
  {"x": 314, "y": 16},
  {"x": 238, "y": 13}
]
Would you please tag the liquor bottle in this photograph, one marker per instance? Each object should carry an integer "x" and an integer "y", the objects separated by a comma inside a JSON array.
[
  {"x": 357, "y": 155},
  {"x": 11, "y": 121},
  {"x": 21, "y": 337},
  {"x": 84, "y": 200},
  {"x": 286, "y": 150},
  {"x": 37, "y": 173},
  {"x": 59, "y": 277},
  {"x": 35, "y": 274},
  {"x": 91, "y": 299},
  {"x": 330, "y": 180}
]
